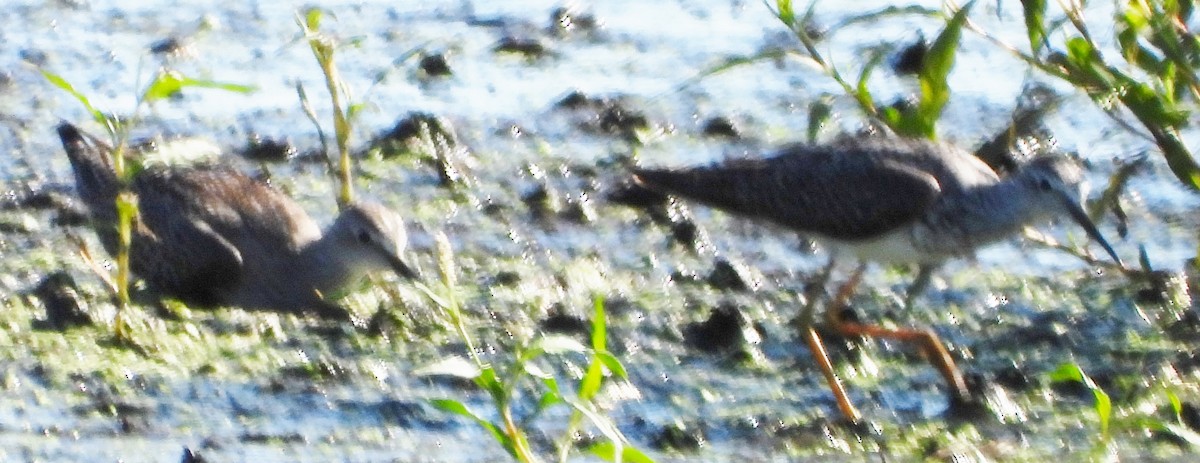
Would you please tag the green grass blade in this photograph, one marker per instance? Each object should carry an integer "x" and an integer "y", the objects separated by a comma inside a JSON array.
[
  {"x": 939, "y": 60},
  {"x": 1070, "y": 372},
  {"x": 613, "y": 364},
  {"x": 170, "y": 83},
  {"x": 1176, "y": 406},
  {"x": 455, "y": 407},
  {"x": 1150, "y": 107},
  {"x": 862, "y": 93},
  {"x": 1035, "y": 23},
  {"x": 488, "y": 380},
  {"x": 940, "y": 57},
  {"x": 607, "y": 451},
  {"x": 784, "y": 11},
  {"x": 590, "y": 384},
  {"x": 60, "y": 82},
  {"x": 599, "y": 327},
  {"x": 226, "y": 86},
  {"x": 312, "y": 18},
  {"x": 458, "y": 408},
  {"x": 731, "y": 63},
  {"x": 819, "y": 113},
  {"x": 552, "y": 396},
  {"x": 1179, "y": 159}
]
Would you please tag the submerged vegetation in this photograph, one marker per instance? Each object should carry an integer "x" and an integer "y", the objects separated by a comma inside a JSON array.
[{"x": 573, "y": 352}]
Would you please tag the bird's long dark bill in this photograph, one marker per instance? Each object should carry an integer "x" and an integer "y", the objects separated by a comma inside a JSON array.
[
  {"x": 1080, "y": 216},
  {"x": 403, "y": 269}
]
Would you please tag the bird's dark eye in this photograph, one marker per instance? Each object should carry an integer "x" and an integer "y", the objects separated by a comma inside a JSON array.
[
  {"x": 1044, "y": 184},
  {"x": 363, "y": 237}
]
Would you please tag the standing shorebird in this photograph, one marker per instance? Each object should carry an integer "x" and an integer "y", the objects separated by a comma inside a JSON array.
[
  {"x": 214, "y": 236},
  {"x": 888, "y": 200}
]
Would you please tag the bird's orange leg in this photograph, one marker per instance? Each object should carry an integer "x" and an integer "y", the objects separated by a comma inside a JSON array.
[
  {"x": 817, "y": 347},
  {"x": 928, "y": 341}
]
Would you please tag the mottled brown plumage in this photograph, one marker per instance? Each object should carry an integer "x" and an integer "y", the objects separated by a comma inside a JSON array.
[{"x": 214, "y": 236}]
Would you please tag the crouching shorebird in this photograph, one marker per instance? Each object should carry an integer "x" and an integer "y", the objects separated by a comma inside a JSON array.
[
  {"x": 888, "y": 200},
  {"x": 213, "y": 236}
]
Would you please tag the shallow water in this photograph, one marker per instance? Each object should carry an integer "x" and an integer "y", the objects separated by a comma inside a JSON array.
[{"x": 502, "y": 106}]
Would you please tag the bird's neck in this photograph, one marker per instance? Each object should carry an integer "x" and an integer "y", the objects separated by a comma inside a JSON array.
[
  {"x": 328, "y": 267},
  {"x": 995, "y": 212}
]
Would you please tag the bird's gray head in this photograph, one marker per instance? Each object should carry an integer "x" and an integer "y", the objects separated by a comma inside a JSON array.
[
  {"x": 1058, "y": 187},
  {"x": 370, "y": 238}
]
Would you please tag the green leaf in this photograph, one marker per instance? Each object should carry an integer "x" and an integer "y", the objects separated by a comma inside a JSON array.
[
  {"x": 226, "y": 86},
  {"x": 599, "y": 330},
  {"x": 454, "y": 406},
  {"x": 590, "y": 384},
  {"x": 458, "y": 408},
  {"x": 548, "y": 399},
  {"x": 1179, "y": 159},
  {"x": 1150, "y": 107},
  {"x": 785, "y": 12},
  {"x": 608, "y": 451},
  {"x": 613, "y": 364},
  {"x": 170, "y": 82},
  {"x": 819, "y": 112},
  {"x": 1035, "y": 23},
  {"x": 939, "y": 60},
  {"x": 1081, "y": 53},
  {"x": 489, "y": 381},
  {"x": 552, "y": 396},
  {"x": 352, "y": 110},
  {"x": 940, "y": 57},
  {"x": 62, "y": 83},
  {"x": 1070, "y": 372},
  {"x": 312, "y": 18},
  {"x": 1176, "y": 405},
  {"x": 126, "y": 205},
  {"x": 861, "y": 93}
]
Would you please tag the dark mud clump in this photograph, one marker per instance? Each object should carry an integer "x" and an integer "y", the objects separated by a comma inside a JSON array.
[
  {"x": 726, "y": 276},
  {"x": 567, "y": 21},
  {"x": 65, "y": 309},
  {"x": 721, "y": 127},
  {"x": 678, "y": 437},
  {"x": 911, "y": 59},
  {"x": 268, "y": 149},
  {"x": 434, "y": 65},
  {"x": 725, "y": 330},
  {"x": 528, "y": 47},
  {"x": 613, "y": 116},
  {"x": 430, "y": 137}
]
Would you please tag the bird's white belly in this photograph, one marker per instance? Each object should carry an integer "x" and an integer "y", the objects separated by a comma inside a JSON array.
[{"x": 895, "y": 247}]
